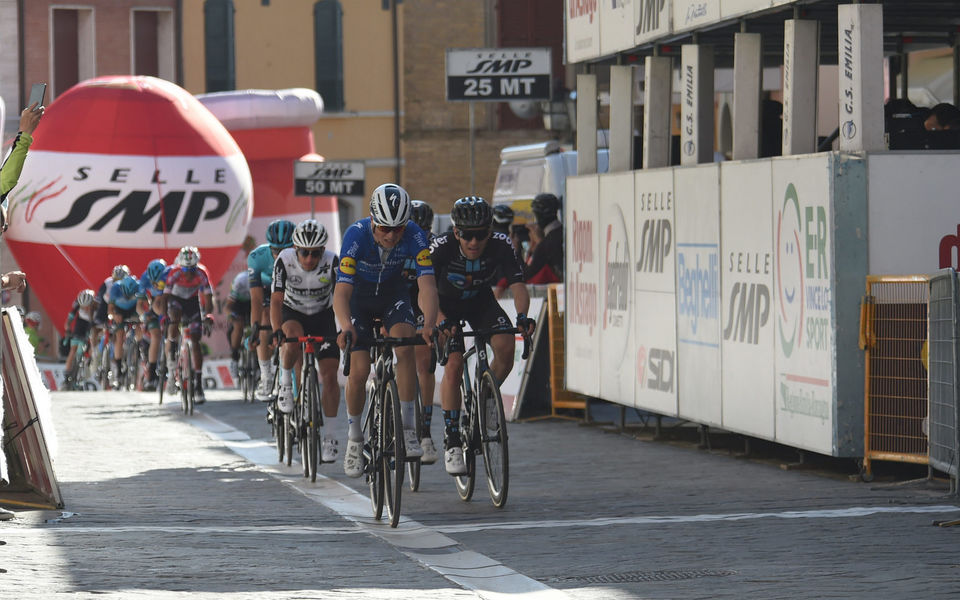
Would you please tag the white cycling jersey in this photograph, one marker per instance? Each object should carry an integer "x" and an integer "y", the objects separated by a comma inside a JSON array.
[{"x": 307, "y": 292}]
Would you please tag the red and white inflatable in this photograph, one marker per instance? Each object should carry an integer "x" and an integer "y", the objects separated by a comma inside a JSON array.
[
  {"x": 272, "y": 128},
  {"x": 124, "y": 169}
]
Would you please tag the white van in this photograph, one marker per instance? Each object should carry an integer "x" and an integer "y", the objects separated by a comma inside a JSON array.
[{"x": 526, "y": 171}]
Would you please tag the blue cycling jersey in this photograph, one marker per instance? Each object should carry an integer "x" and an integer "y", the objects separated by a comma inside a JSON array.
[
  {"x": 118, "y": 299},
  {"x": 152, "y": 289},
  {"x": 365, "y": 264},
  {"x": 260, "y": 267}
]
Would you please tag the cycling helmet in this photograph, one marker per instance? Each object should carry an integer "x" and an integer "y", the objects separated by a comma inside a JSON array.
[
  {"x": 390, "y": 205},
  {"x": 155, "y": 269},
  {"x": 85, "y": 297},
  {"x": 129, "y": 287},
  {"x": 310, "y": 234},
  {"x": 189, "y": 256},
  {"x": 120, "y": 271},
  {"x": 32, "y": 317},
  {"x": 421, "y": 214},
  {"x": 471, "y": 212},
  {"x": 545, "y": 207},
  {"x": 502, "y": 215},
  {"x": 279, "y": 233}
]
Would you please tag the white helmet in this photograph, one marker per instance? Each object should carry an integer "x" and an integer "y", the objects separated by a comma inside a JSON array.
[
  {"x": 390, "y": 205},
  {"x": 310, "y": 234},
  {"x": 85, "y": 297},
  {"x": 119, "y": 272},
  {"x": 189, "y": 256},
  {"x": 33, "y": 316}
]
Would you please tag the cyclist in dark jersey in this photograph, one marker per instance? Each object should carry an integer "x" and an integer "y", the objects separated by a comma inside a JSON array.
[
  {"x": 467, "y": 262},
  {"x": 422, "y": 215}
]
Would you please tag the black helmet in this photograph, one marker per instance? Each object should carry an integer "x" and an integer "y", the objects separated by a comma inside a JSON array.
[
  {"x": 545, "y": 207},
  {"x": 502, "y": 215},
  {"x": 471, "y": 212},
  {"x": 422, "y": 215}
]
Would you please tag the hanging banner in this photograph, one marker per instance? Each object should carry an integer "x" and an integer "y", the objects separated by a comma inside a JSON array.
[{"x": 583, "y": 29}]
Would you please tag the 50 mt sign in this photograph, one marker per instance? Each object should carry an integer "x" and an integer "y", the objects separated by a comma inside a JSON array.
[
  {"x": 498, "y": 74},
  {"x": 323, "y": 178}
]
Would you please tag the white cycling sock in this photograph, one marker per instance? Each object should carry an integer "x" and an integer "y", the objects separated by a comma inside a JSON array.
[
  {"x": 264, "y": 368},
  {"x": 354, "y": 428},
  {"x": 408, "y": 415},
  {"x": 286, "y": 376},
  {"x": 332, "y": 425}
]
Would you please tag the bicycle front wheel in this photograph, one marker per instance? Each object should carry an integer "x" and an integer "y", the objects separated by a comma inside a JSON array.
[
  {"x": 468, "y": 435},
  {"x": 312, "y": 397},
  {"x": 493, "y": 437},
  {"x": 413, "y": 466},
  {"x": 372, "y": 451},
  {"x": 393, "y": 451}
]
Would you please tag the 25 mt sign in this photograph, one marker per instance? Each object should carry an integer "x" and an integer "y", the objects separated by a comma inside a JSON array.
[{"x": 498, "y": 74}]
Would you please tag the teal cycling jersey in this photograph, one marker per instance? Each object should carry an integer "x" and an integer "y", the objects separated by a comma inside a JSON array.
[{"x": 260, "y": 267}]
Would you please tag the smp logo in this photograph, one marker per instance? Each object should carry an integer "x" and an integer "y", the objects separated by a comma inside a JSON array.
[
  {"x": 656, "y": 239},
  {"x": 749, "y": 311},
  {"x": 790, "y": 285},
  {"x": 134, "y": 213},
  {"x": 648, "y": 18}
]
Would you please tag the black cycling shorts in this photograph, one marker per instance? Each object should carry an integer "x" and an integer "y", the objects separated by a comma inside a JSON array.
[
  {"x": 482, "y": 312},
  {"x": 391, "y": 306},
  {"x": 323, "y": 323}
]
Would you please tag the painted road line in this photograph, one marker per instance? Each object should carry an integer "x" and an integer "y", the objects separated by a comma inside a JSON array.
[{"x": 466, "y": 568}]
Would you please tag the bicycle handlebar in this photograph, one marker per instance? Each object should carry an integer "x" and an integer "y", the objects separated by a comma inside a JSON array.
[
  {"x": 415, "y": 340},
  {"x": 486, "y": 334}
]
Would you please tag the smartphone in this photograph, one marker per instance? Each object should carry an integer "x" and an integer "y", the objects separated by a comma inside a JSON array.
[{"x": 37, "y": 94}]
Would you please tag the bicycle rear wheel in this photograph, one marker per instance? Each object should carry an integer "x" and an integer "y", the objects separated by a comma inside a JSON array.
[
  {"x": 465, "y": 483},
  {"x": 493, "y": 437},
  {"x": 413, "y": 466},
  {"x": 311, "y": 393},
  {"x": 393, "y": 451},
  {"x": 276, "y": 425},
  {"x": 162, "y": 370},
  {"x": 372, "y": 451},
  {"x": 288, "y": 426}
]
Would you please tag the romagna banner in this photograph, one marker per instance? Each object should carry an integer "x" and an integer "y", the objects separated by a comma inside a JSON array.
[{"x": 582, "y": 295}]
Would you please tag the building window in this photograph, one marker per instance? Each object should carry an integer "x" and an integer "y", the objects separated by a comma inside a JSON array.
[
  {"x": 153, "y": 43},
  {"x": 219, "y": 45},
  {"x": 328, "y": 50},
  {"x": 73, "y": 48}
]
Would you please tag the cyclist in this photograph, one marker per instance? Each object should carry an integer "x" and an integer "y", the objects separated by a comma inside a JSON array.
[
  {"x": 122, "y": 305},
  {"x": 152, "y": 282},
  {"x": 187, "y": 295},
  {"x": 238, "y": 309},
  {"x": 369, "y": 285},
  {"x": 76, "y": 327},
  {"x": 260, "y": 268},
  {"x": 467, "y": 262},
  {"x": 302, "y": 297},
  {"x": 422, "y": 215},
  {"x": 100, "y": 312}
]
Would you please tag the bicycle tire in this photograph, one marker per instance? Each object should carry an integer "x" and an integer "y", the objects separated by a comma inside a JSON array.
[
  {"x": 394, "y": 455},
  {"x": 162, "y": 370},
  {"x": 492, "y": 425},
  {"x": 130, "y": 365},
  {"x": 288, "y": 439},
  {"x": 374, "y": 464},
  {"x": 104, "y": 372},
  {"x": 311, "y": 393},
  {"x": 413, "y": 466},
  {"x": 277, "y": 428},
  {"x": 465, "y": 483}
]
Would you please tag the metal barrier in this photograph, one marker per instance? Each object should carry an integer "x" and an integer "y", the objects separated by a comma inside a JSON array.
[
  {"x": 941, "y": 360},
  {"x": 893, "y": 334}
]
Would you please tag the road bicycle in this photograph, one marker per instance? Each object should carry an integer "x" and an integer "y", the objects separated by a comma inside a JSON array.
[
  {"x": 414, "y": 465},
  {"x": 307, "y": 415},
  {"x": 185, "y": 375},
  {"x": 75, "y": 376},
  {"x": 248, "y": 371},
  {"x": 280, "y": 427},
  {"x": 483, "y": 426},
  {"x": 384, "y": 448},
  {"x": 130, "y": 357}
]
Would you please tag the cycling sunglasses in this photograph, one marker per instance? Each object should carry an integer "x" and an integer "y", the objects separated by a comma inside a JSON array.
[
  {"x": 396, "y": 229},
  {"x": 473, "y": 234},
  {"x": 304, "y": 253}
]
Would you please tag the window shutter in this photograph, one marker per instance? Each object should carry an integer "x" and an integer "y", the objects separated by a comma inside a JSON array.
[
  {"x": 219, "y": 45},
  {"x": 328, "y": 49}
]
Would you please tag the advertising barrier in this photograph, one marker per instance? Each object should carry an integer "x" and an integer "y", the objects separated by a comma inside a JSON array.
[
  {"x": 582, "y": 286},
  {"x": 654, "y": 291},
  {"x": 697, "y": 196}
]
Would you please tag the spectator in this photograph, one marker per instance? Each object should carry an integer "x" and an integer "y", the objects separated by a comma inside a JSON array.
[
  {"x": 31, "y": 326},
  {"x": 9, "y": 175},
  {"x": 502, "y": 218},
  {"x": 544, "y": 263},
  {"x": 942, "y": 116}
]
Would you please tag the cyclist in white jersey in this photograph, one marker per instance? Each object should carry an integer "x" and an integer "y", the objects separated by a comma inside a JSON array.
[{"x": 301, "y": 304}]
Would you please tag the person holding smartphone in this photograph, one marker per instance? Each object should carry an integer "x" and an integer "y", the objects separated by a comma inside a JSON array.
[{"x": 10, "y": 171}]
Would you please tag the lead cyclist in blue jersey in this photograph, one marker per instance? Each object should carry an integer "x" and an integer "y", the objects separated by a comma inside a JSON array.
[{"x": 369, "y": 286}]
